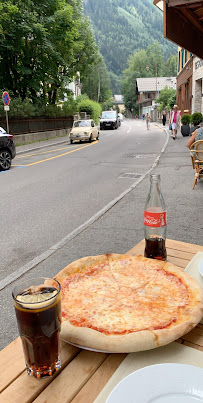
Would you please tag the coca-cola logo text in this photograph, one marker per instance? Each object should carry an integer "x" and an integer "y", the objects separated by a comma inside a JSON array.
[{"x": 155, "y": 219}]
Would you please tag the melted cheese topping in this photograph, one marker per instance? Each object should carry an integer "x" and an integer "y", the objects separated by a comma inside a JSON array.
[{"x": 120, "y": 298}]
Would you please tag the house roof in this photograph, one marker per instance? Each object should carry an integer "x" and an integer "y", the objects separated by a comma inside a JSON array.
[
  {"x": 118, "y": 99},
  {"x": 149, "y": 84}
]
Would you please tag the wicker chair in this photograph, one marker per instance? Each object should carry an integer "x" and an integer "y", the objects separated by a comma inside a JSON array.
[{"x": 196, "y": 152}]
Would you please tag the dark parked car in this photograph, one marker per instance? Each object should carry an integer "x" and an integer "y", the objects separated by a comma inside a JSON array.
[
  {"x": 7, "y": 149},
  {"x": 109, "y": 120}
]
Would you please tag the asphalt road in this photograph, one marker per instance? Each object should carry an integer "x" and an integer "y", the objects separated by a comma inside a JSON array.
[{"x": 48, "y": 193}]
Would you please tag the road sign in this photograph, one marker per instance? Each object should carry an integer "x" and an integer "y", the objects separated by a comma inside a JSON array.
[
  {"x": 6, "y": 108},
  {"x": 6, "y": 98}
]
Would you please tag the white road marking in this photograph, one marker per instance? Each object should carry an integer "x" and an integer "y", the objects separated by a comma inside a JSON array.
[
  {"x": 130, "y": 128},
  {"x": 30, "y": 265}
]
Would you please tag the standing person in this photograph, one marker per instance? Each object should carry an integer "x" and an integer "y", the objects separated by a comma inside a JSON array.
[
  {"x": 164, "y": 118},
  {"x": 148, "y": 119},
  {"x": 175, "y": 117}
]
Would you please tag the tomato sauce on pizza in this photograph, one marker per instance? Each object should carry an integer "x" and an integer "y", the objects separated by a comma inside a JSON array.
[{"x": 116, "y": 297}]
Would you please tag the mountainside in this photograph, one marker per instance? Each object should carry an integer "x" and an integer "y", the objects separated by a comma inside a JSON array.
[{"x": 123, "y": 26}]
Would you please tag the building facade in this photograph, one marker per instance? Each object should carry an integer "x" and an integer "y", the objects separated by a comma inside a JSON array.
[
  {"x": 197, "y": 85},
  {"x": 189, "y": 83},
  {"x": 119, "y": 101},
  {"x": 184, "y": 81},
  {"x": 75, "y": 87},
  {"x": 148, "y": 89}
]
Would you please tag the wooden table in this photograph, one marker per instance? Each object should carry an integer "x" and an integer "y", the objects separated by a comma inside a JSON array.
[{"x": 84, "y": 373}]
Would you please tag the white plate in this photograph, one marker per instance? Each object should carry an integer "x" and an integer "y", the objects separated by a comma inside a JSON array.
[
  {"x": 201, "y": 267},
  {"x": 87, "y": 348},
  {"x": 161, "y": 383}
]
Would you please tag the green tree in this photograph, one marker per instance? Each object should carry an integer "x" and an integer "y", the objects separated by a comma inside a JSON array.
[
  {"x": 122, "y": 27},
  {"x": 107, "y": 105},
  {"x": 144, "y": 63},
  {"x": 155, "y": 60},
  {"x": 96, "y": 81},
  {"x": 116, "y": 84},
  {"x": 167, "y": 98},
  {"x": 137, "y": 68},
  {"x": 170, "y": 66},
  {"x": 44, "y": 46}
]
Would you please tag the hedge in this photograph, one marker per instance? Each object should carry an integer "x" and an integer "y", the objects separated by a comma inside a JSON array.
[
  {"x": 25, "y": 109},
  {"x": 92, "y": 108}
]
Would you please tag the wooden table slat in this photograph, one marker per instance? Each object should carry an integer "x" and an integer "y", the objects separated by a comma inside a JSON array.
[
  {"x": 96, "y": 383},
  {"x": 25, "y": 388},
  {"x": 181, "y": 263},
  {"x": 195, "y": 336},
  {"x": 12, "y": 363},
  {"x": 137, "y": 249},
  {"x": 174, "y": 256},
  {"x": 179, "y": 254},
  {"x": 187, "y": 343},
  {"x": 171, "y": 246},
  {"x": 72, "y": 378},
  {"x": 183, "y": 246}
]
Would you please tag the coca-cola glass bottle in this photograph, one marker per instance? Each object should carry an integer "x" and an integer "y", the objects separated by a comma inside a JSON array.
[{"x": 155, "y": 221}]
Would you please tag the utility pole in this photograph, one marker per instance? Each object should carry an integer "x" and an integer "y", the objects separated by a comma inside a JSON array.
[
  {"x": 156, "y": 76},
  {"x": 99, "y": 87}
]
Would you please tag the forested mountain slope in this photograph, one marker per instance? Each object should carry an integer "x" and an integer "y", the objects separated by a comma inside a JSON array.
[{"x": 123, "y": 26}]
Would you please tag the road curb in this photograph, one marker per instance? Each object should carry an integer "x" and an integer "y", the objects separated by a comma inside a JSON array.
[{"x": 39, "y": 147}]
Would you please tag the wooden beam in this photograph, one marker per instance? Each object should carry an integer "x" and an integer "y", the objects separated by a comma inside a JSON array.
[
  {"x": 178, "y": 3},
  {"x": 178, "y": 30},
  {"x": 192, "y": 18},
  {"x": 199, "y": 13},
  {"x": 164, "y": 19}
]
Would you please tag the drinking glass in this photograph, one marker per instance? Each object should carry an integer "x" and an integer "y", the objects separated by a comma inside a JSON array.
[{"x": 37, "y": 305}]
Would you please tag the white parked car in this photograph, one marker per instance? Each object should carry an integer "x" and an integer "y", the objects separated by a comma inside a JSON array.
[{"x": 84, "y": 130}]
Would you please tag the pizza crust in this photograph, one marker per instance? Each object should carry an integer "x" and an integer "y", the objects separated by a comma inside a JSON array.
[
  {"x": 131, "y": 342},
  {"x": 139, "y": 340},
  {"x": 86, "y": 337}
]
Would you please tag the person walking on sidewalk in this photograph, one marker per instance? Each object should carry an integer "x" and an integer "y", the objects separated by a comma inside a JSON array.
[
  {"x": 175, "y": 117},
  {"x": 148, "y": 119},
  {"x": 164, "y": 118}
]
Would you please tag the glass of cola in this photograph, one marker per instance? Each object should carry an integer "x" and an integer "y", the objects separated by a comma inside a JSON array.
[{"x": 37, "y": 305}]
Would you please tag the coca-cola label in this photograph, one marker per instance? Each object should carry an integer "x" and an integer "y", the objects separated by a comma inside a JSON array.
[{"x": 155, "y": 219}]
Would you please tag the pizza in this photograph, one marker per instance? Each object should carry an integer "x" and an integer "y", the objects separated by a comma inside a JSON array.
[{"x": 120, "y": 303}]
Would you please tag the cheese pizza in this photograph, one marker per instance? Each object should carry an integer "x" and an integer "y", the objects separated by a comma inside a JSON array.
[{"x": 121, "y": 303}]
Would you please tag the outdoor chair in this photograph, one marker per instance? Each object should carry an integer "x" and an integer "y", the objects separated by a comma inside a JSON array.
[{"x": 196, "y": 152}]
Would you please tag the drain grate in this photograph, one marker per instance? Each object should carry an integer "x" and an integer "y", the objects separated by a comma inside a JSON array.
[{"x": 130, "y": 175}]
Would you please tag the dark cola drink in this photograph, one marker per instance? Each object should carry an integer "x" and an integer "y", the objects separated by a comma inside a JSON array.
[
  {"x": 155, "y": 248},
  {"x": 38, "y": 312},
  {"x": 155, "y": 221}
]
